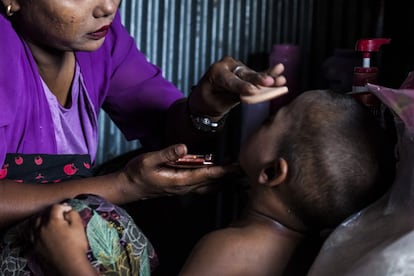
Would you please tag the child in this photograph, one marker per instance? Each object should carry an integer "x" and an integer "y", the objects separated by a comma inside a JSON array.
[
  {"x": 313, "y": 164},
  {"x": 86, "y": 235},
  {"x": 318, "y": 161}
]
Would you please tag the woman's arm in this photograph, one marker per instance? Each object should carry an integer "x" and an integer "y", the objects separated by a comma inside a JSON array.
[
  {"x": 145, "y": 176},
  {"x": 220, "y": 89},
  {"x": 20, "y": 200}
]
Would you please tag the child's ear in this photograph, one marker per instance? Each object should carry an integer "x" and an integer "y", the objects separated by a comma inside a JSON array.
[{"x": 275, "y": 173}]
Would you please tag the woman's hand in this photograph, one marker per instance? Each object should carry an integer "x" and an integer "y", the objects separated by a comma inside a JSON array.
[
  {"x": 229, "y": 82},
  {"x": 61, "y": 241},
  {"x": 149, "y": 176}
]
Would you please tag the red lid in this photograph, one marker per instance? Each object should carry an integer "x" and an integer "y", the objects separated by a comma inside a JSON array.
[{"x": 371, "y": 44}]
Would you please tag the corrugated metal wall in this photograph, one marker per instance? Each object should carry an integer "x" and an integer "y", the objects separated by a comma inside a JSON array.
[{"x": 185, "y": 36}]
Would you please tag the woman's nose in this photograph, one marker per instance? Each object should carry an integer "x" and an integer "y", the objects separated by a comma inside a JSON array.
[{"x": 106, "y": 8}]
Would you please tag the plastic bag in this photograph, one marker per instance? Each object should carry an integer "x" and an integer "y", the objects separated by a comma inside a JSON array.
[{"x": 379, "y": 240}]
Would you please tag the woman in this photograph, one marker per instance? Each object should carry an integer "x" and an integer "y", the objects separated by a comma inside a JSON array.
[{"x": 61, "y": 62}]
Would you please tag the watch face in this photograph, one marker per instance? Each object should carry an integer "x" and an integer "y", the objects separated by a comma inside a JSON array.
[
  {"x": 205, "y": 121},
  {"x": 205, "y": 124}
]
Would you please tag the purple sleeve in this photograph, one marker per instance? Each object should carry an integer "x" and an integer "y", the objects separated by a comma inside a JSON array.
[
  {"x": 138, "y": 95},
  {"x": 25, "y": 121},
  {"x": 11, "y": 80}
]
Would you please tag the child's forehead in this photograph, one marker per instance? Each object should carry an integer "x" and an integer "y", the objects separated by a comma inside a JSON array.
[
  {"x": 301, "y": 102},
  {"x": 316, "y": 98},
  {"x": 310, "y": 105}
]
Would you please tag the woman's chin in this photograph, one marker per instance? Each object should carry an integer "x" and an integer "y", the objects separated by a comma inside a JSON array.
[{"x": 91, "y": 46}]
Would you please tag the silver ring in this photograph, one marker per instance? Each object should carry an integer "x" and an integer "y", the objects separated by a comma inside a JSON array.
[{"x": 237, "y": 69}]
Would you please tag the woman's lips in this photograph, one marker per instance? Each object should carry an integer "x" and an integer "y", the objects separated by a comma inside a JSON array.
[{"x": 102, "y": 32}]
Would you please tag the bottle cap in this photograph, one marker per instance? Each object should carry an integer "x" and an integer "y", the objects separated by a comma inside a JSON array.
[{"x": 368, "y": 45}]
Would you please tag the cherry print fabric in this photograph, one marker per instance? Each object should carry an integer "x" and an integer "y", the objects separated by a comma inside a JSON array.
[{"x": 45, "y": 168}]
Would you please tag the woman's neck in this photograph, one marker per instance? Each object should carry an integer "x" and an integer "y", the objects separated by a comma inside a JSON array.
[{"x": 57, "y": 69}]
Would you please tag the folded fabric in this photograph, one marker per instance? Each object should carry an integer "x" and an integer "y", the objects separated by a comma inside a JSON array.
[{"x": 116, "y": 245}]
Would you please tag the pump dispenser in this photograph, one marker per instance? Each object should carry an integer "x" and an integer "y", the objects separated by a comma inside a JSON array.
[{"x": 367, "y": 73}]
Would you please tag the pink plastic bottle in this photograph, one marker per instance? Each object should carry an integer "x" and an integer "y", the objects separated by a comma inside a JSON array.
[{"x": 289, "y": 56}]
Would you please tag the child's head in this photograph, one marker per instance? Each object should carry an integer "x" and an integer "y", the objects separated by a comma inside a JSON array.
[{"x": 324, "y": 153}]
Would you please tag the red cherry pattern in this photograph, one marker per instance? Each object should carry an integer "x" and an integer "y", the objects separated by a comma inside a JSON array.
[
  {"x": 45, "y": 168},
  {"x": 18, "y": 160},
  {"x": 87, "y": 165},
  {"x": 38, "y": 160},
  {"x": 3, "y": 171},
  {"x": 70, "y": 169}
]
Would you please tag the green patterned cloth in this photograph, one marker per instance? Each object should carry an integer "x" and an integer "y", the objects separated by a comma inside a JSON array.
[{"x": 116, "y": 245}]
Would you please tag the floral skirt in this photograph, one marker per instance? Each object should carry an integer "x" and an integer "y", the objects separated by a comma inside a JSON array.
[{"x": 116, "y": 245}]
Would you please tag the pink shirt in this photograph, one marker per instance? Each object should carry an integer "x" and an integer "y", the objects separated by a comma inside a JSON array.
[{"x": 75, "y": 126}]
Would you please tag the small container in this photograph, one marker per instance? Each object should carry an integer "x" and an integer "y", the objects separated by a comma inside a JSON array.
[
  {"x": 289, "y": 56},
  {"x": 367, "y": 73}
]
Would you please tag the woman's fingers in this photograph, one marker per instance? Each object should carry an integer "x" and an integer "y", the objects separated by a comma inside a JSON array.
[
  {"x": 255, "y": 87},
  {"x": 263, "y": 94}
]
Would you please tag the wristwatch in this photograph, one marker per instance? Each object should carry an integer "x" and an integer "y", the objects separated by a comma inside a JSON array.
[{"x": 205, "y": 124}]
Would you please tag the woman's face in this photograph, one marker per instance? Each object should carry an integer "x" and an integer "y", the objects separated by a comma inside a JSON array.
[{"x": 65, "y": 24}]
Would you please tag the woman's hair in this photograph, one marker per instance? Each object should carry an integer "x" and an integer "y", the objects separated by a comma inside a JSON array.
[{"x": 338, "y": 158}]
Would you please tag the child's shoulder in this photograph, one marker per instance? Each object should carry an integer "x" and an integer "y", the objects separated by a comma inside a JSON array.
[
  {"x": 226, "y": 242},
  {"x": 228, "y": 251}
]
